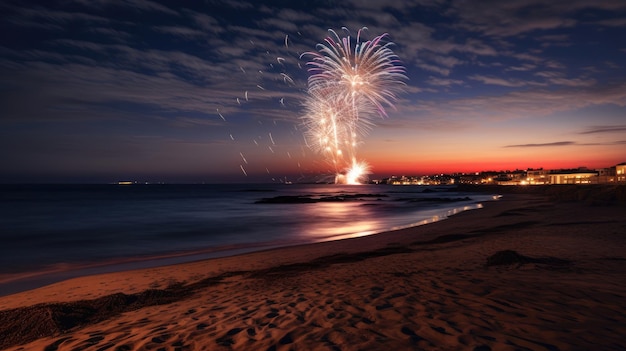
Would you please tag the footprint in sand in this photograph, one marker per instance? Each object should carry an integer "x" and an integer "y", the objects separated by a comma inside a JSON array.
[{"x": 414, "y": 337}]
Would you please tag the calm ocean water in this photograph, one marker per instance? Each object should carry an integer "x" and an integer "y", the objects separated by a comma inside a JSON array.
[{"x": 57, "y": 228}]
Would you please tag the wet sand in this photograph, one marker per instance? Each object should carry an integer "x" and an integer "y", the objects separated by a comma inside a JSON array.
[{"x": 523, "y": 273}]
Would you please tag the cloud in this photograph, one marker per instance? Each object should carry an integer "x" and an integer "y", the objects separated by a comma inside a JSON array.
[
  {"x": 443, "y": 82},
  {"x": 498, "y": 81},
  {"x": 112, "y": 34},
  {"x": 523, "y": 67},
  {"x": 565, "y": 143},
  {"x": 553, "y": 38},
  {"x": 525, "y": 56},
  {"x": 605, "y": 129},
  {"x": 516, "y": 17},
  {"x": 230, "y": 56},
  {"x": 549, "y": 74},
  {"x": 442, "y": 64},
  {"x": 552, "y": 78},
  {"x": 59, "y": 17},
  {"x": 434, "y": 68},
  {"x": 137, "y": 5},
  {"x": 183, "y": 32},
  {"x": 67, "y": 87},
  {"x": 522, "y": 104},
  {"x": 285, "y": 25},
  {"x": 556, "y": 143},
  {"x": 613, "y": 22},
  {"x": 204, "y": 21},
  {"x": 573, "y": 82},
  {"x": 447, "y": 61},
  {"x": 380, "y": 6}
]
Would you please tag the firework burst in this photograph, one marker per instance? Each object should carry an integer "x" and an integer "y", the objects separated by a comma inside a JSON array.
[
  {"x": 350, "y": 82},
  {"x": 330, "y": 128}
]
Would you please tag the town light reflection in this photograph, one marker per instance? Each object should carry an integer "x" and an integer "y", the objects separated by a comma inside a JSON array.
[
  {"x": 336, "y": 221},
  {"x": 341, "y": 221}
]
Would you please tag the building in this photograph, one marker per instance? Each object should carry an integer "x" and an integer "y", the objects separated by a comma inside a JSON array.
[
  {"x": 537, "y": 176},
  {"x": 606, "y": 175},
  {"x": 577, "y": 176},
  {"x": 620, "y": 172}
]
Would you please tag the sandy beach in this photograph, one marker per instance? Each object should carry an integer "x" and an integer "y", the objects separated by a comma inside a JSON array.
[{"x": 522, "y": 273}]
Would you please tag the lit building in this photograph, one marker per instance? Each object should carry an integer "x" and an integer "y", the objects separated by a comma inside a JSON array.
[
  {"x": 537, "y": 176},
  {"x": 620, "y": 172},
  {"x": 578, "y": 176},
  {"x": 606, "y": 175}
]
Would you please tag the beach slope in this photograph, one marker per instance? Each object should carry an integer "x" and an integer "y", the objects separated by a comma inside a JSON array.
[{"x": 523, "y": 273}]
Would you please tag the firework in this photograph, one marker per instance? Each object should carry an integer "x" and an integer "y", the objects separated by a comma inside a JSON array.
[{"x": 350, "y": 82}]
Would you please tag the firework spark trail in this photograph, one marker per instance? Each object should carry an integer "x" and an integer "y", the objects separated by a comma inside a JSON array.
[
  {"x": 348, "y": 86},
  {"x": 327, "y": 130},
  {"x": 263, "y": 84},
  {"x": 287, "y": 79}
]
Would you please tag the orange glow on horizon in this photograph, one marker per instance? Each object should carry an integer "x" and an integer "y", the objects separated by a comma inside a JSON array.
[{"x": 468, "y": 166}]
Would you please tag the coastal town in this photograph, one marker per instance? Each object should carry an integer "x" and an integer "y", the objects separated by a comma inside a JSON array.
[{"x": 610, "y": 175}]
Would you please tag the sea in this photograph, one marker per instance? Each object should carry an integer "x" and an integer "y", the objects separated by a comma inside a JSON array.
[{"x": 49, "y": 233}]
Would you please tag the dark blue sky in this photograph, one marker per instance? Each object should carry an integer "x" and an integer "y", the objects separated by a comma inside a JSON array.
[{"x": 156, "y": 90}]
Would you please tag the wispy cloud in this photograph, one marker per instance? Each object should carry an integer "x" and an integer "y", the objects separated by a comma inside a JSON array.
[
  {"x": 135, "y": 5},
  {"x": 61, "y": 17},
  {"x": 434, "y": 68},
  {"x": 613, "y": 22},
  {"x": 566, "y": 143},
  {"x": 573, "y": 82},
  {"x": 523, "y": 67},
  {"x": 605, "y": 129},
  {"x": 470, "y": 64},
  {"x": 498, "y": 81},
  {"x": 515, "y": 17},
  {"x": 556, "y": 143},
  {"x": 443, "y": 82},
  {"x": 184, "y": 32},
  {"x": 525, "y": 104}
]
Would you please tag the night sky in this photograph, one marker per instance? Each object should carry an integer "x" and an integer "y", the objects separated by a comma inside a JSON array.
[{"x": 205, "y": 91}]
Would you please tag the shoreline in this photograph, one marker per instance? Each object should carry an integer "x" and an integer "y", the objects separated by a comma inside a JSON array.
[
  {"x": 284, "y": 255},
  {"x": 19, "y": 282},
  {"x": 425, "y": 287}
]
